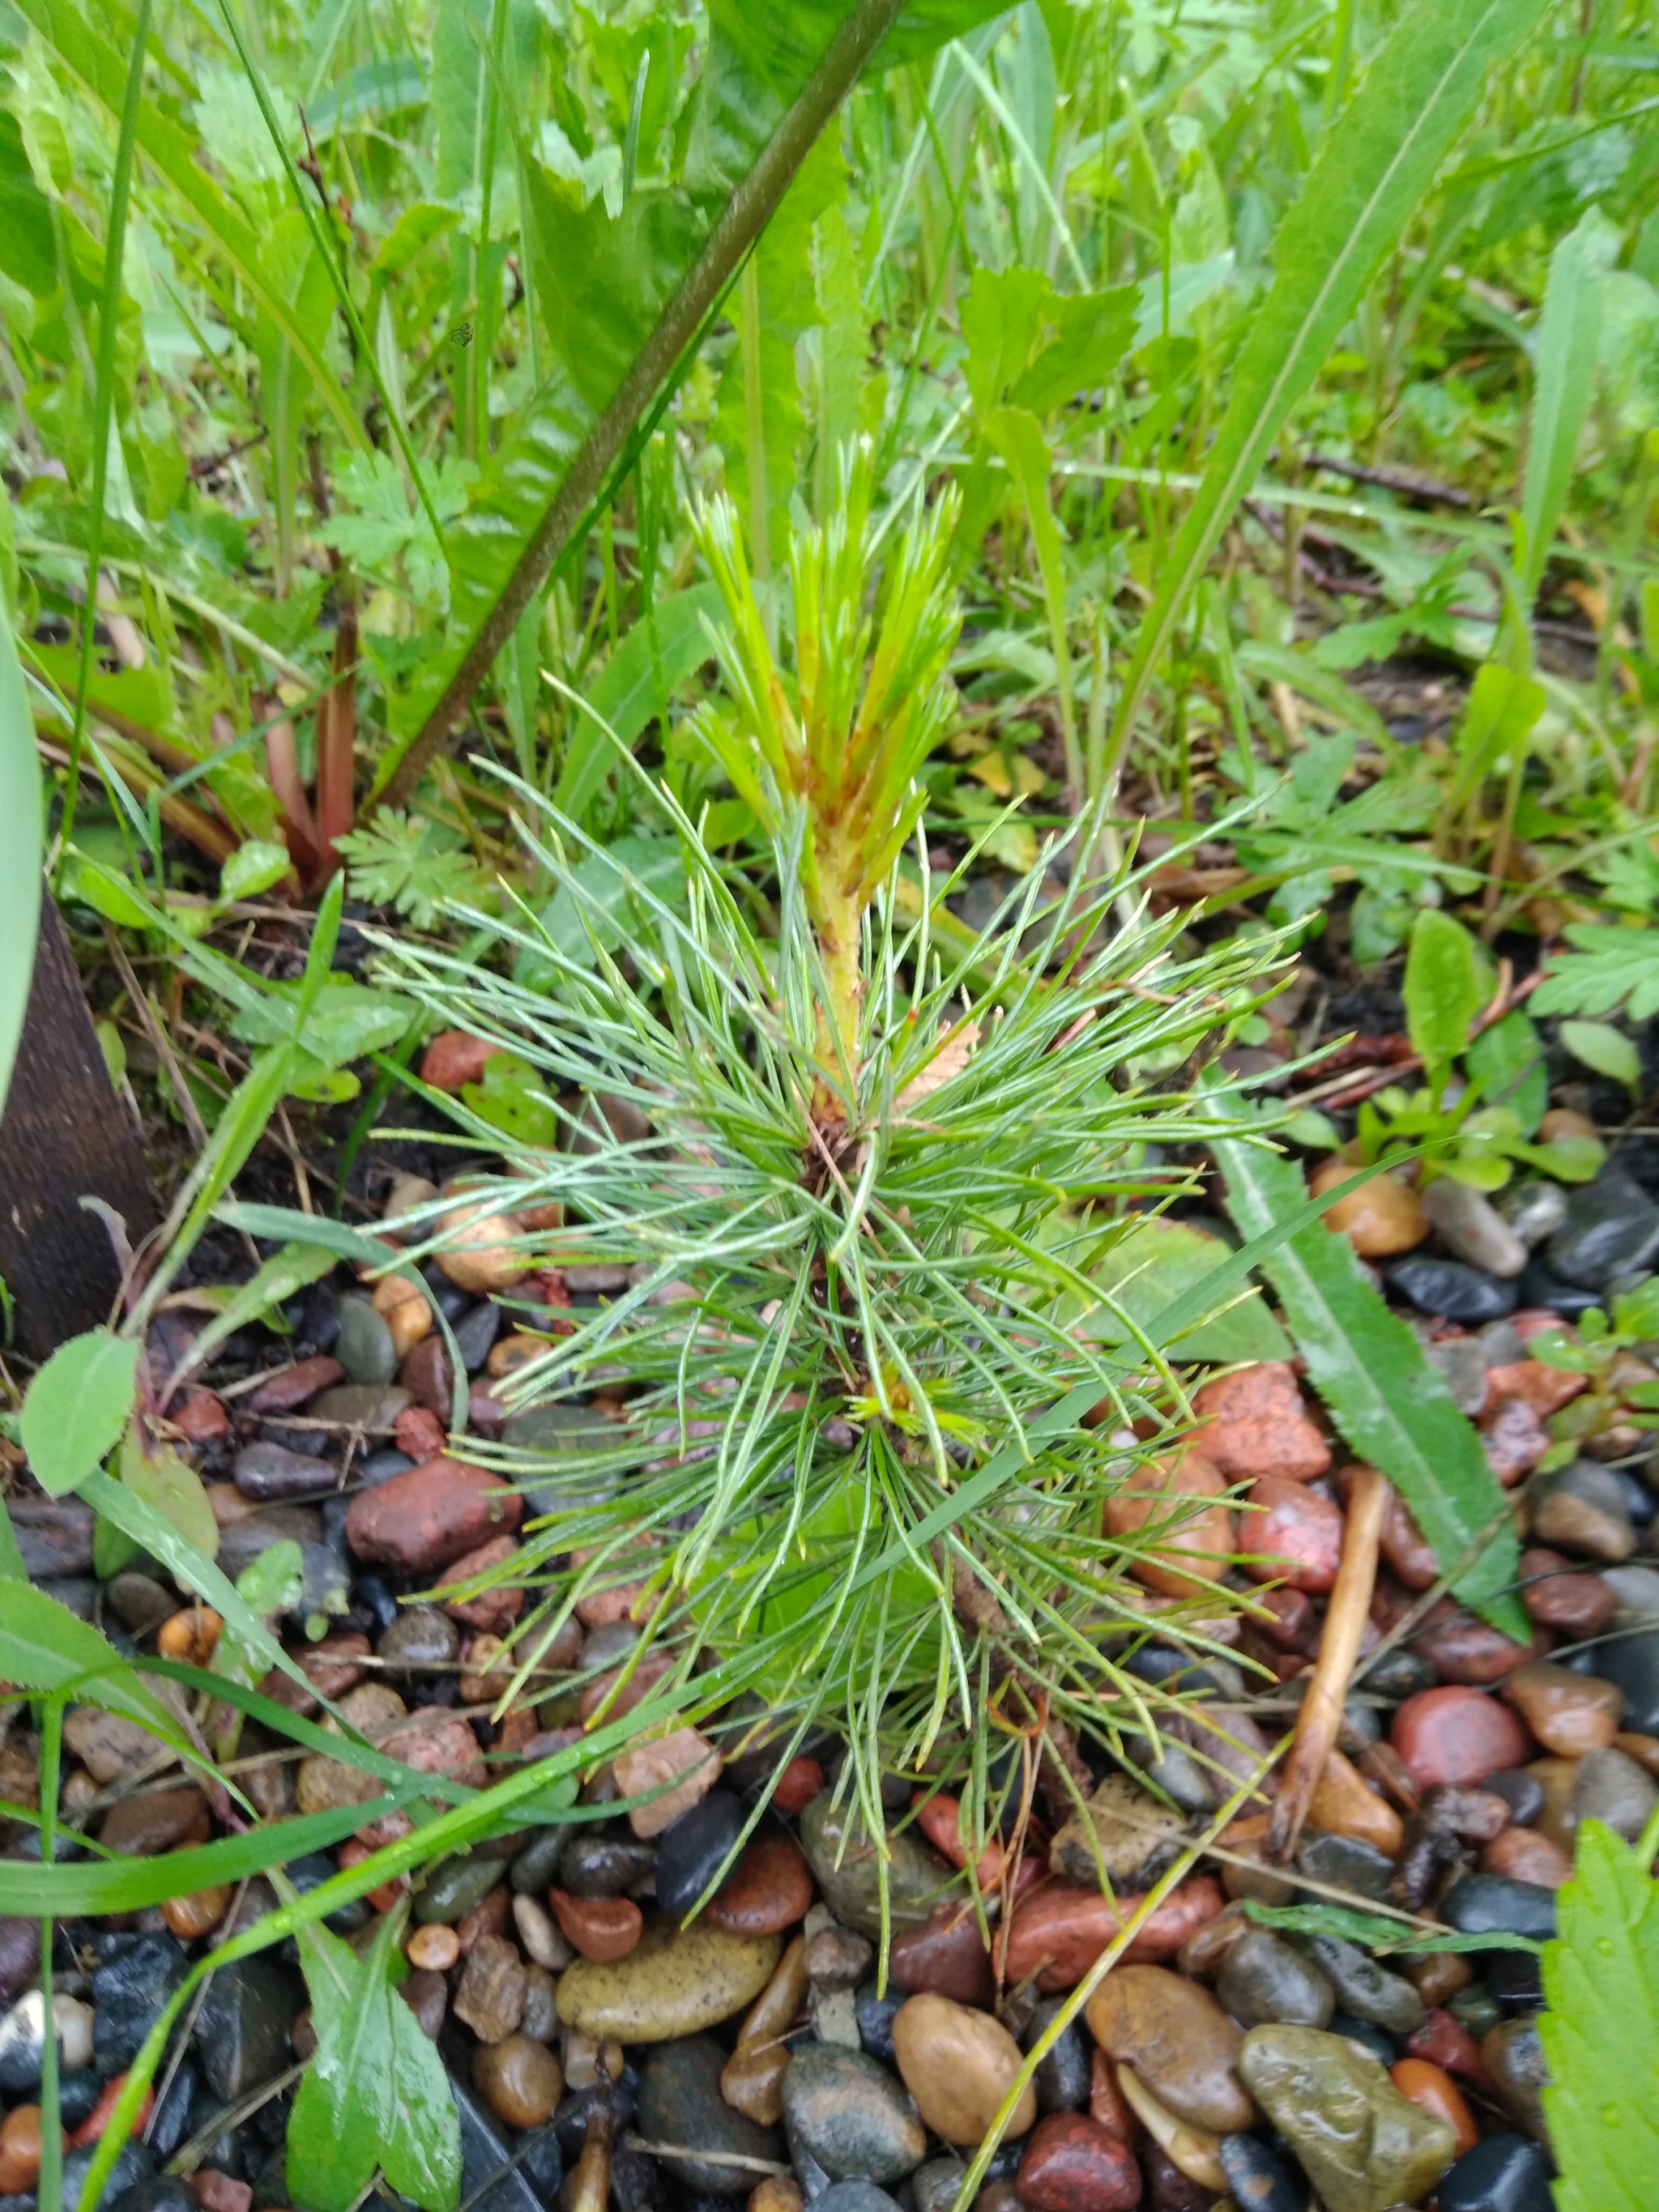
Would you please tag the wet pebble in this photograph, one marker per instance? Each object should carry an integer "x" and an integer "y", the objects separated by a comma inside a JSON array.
[
  {"x": 1366, "y": 1989},
  {"x": 272, "y": 1474},
  {"x": 1260, "y": 2179},
  {"x": 1582, "y": 1509},
  {"x": 1504, "y": 2174},
  {"x": 768, "y": 1890},
  {"x": 420, "y": 1638},
  {"x": 1610, "y": 1786},
  {"x": 242, "y": 2028},
  {"x": 1631, "y": 1664},
  {"x": 1295, "y": 1536},
  {"x": 959, "y": 2063},
  {"x": 1266, "y": 1978},
  {"x": 518, "y": 2078},
  {"x": 674, "y": 1982},
  {"x": 692, "y": 1849},
  {"x": 1453, "y": 1291},
  {"x": 431, "y": 1516},
  {"x": 1560, "y": 1597},
  {"x": 1569, "y": 1713},
  {"x": 602, "y": 1928},
  {"x": 1178, "y": 2039},
  {"x": 1257, "y": 1423},
  {"x": 946, "y": 1955},
  {"x": 1611, "y": 1228},
  {"x": 364, "y": 1347},
  {"x": 680, "y": 2102},
  {"x": 1513, "y": 2052},
  {"x": 849, "y": 2114},
  {"x": 138, "y": 1975},
  {"x": 844, "y": 1862},
  {"x": 1072, "y": 2164},
  {"x": 1455, "y": 1735},
  {"x": 1363, "y": 2146},
  {"x": 22, "y": 2038},
  {"x": 490, "y": 1996}
]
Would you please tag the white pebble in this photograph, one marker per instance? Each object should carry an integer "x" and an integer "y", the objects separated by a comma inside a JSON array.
[{"x": 541, "y": 1938}]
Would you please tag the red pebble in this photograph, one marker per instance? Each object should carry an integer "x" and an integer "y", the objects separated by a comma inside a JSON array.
[
  {"x": 1514, "y": 1440},
  {"x": 1443, "y": 2038},
  {"x": 1072, "y": 2165},
  {"x": 798, "y": 1785},
  {"x": 419, "y": 1432},
  {"x": 201, "y": 1419},
  {"x": 431, "y": 1516},
  {"x": 1296, "y": 1537},
  {"x": 493, "y": 1612},
  {"x": 92, "y": 2128},
  {"x": 453, "y": 1059},
  {"x": 1289, "y": 1621},
  {"x": 945, "y": 1957},
  {"x": 217, "y": 2192},
  {"x": 768, "y": 1890},
  {"x": 1258, "y": 1425},
  {"x": 1069, "y": 1929},
  {"x": 940, "y": 1819},
  {"x": 600, "y": 1928},
  {"x": 1457, "y": 1734},
  {"x": 291, "y": 1387}
]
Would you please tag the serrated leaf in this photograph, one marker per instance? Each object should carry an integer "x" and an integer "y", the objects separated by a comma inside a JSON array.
[
  {"x": 77, "y": 1406},
  {"x": 1607, "y": 968},
  {"x": 44, "y": 1647},
  {"x": 1601, "y": 2030},
  {"x": 1391, "y": 1407}
]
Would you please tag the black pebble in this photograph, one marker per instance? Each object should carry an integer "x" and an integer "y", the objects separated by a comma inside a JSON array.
[
  {"x": 603, "y": 1862},
  {"x": 1061, "y": 2080},
  {"x": 535, "y": 1866},
  {"x": 1521, "y": 1792},
  {"x": 1259, "y": 2178},
  {"x": 1377, "y": 2041},
  {"x": 136, "y": 2164},
  {"x": 1453, "y": 1291},
  {"x": 1632, "y": 1662},
  {"x": 1513, "y": 1979},
  {"x": 78, "y": 2093},
  {"x": 309, "y": 1872},
  {"x": 1504, "y": 2174},
  {"x": 130, "y": 1990},
  {"x": 875, "y": 2016},
  {"x": 170, "y": 2123},
  {"x": 691, "y": 1850},
  {"x": 1492, "y": 1905},
  {"x": 162, "y": 2192},
  {"x": 476, "y": 1333},
  {"x": 378, "y": 1467},
  {"x": 1538, "y": 1287}
]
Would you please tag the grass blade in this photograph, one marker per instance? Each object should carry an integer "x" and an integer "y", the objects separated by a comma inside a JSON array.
[
  {"x": 1568, "y": 338},
  {"x": 1376, "y": 166}
]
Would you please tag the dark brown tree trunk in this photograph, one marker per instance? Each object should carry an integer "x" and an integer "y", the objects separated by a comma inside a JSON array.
[{"x": 65, "y": 1136}]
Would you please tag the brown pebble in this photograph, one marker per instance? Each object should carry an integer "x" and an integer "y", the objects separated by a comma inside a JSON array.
[
  {"x": 1523, "y": 1855},
  {"x": 1439, "y": 1976},
  {"x": 1178, "y": 2040},
  {"x": 289, "y": 1388},
  {"x": 433, "y": 1946},
  {"x": 1457, "y": 1734},
  {"x": 453, "y": 1058},
  {"x": 490, "y": 1998},
  {"x": 1462, "y": 1648},
  {"x": 191, "y": 1637},
  {"x": 683, "y": 1759},
  {"x": 959, "y": 2064},
  {"x": 20, "y": 2149},
  {"x": 602, "y": 1928},
  {"x": 157, "y": 1820},
  {"x": 518, "y": 2078},
  {"x": 492, "y": 1612},
  {"x": 1569, "y": 1713},
  {"x": 1180, "y": 1494},
  {"x": 1345, "y": 1804},
  {"x": 427, "y": 1995},
  {"x": 768, "y": 1890},
  {"x": 195, "y": 1914},
  {"x": 946, "y": 1956},
  {"x": 488, "y": 1917},
  {"x": 798, "y": 1785},
  {"x": 1383, "y": 1217},
  {"x": 777, "y": 2193},
  {"x": 1564, "y": 1597}
]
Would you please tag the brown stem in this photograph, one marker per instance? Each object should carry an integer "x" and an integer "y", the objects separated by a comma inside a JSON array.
[
  {"x": 1321, "y": 1717},
  {"x": 740, "y": 224}
]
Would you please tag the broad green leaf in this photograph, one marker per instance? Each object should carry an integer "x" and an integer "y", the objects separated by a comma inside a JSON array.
[
  {"x": 1564, "y": 375},
  {"x": 172, "y": 1486},
  {"x": 664, "y": 646},
  {"x": 252, "y": 868},
  {"x": 1374, "y": 167},
  {"x": 1443, "y": 993},
  {"x": 1392, "y": 1408},
  {"x": 1153, "y": 1265},
  {"x": 348, "y": 1021},
  {"x": 20, "y": 840},
  {"x": 342, "y": 2109},
  {"x": 1601, "y": 2029},
  {"x": 12, "y": 1569},
  {"x": 77, "y": 1407},
  {"x": 422, "y": 2155},
  {"x": 1611, "y": 1052}
]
